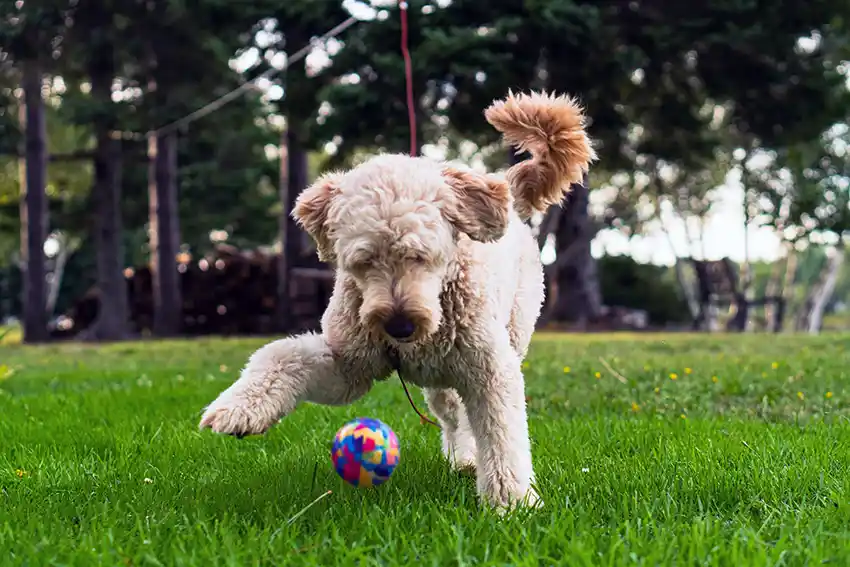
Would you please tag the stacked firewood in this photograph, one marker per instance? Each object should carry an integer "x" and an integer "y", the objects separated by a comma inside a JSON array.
[{"x": 229, "y": 292}]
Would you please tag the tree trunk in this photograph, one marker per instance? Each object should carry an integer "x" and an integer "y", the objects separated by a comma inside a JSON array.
[
  {"x": 773, "y": 289},
  {"x": 297, "y": 180},
  {"x": 164, "y": 235},
  {"x": 67, "y": 247},
  {"x": 293, "y": 180},
  {"x": 788, "y": 291},
  {"x": 686, "y": 289},
  {"x": 825, "y": 290},
  {"x": 579, "y": 297},
  {"x": 688, "y": 293},
  {"x": 693, "y": 302},
  {"x": 804, "y": 311},
  {"x": 548, "y": 225},
  {"x": 746, "y": 274},
  {"x": 112, "y": 322},
  {"x": 283, "y": 314},
  {"x": 33, "y": 210}
]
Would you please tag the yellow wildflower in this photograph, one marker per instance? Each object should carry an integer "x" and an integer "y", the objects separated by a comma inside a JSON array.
[
  {"x": 525, "y": 365},
  {"x": 800, "y": 395},
  {"x": 657, "y": 390},
  {"x": 828, "y": 395},
  {"x": 566, "y": 369},
  {"x": 21, "y": 473},
  {"x": 775, "y": 365},
  {"x": 223, "y": 368},
  {"x": 673, "y": 376},
  {"x": 598, "y": 375},
  {"x": 683, "y": 416},
  {"x": 688, "y": 370},
  {"x": 635, "y": 407}
]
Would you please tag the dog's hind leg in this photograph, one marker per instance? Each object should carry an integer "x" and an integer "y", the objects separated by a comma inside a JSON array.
[
  {"x": 280, "y": 375},
  {"x": 458, "y": 441}
]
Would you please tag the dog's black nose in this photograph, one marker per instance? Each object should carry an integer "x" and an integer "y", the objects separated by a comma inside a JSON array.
[{"x": 399, "y": 327}]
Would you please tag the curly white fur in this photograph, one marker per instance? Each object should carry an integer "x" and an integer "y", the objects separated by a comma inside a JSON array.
[{"x": 446, "y": 250}]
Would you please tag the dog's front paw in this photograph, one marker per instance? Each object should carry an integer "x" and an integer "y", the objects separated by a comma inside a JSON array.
[
  {"x": 532, "y": 499},
  {"x": 237, "y": 417}
]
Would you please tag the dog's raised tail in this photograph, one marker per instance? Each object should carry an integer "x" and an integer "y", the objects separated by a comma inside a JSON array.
[{"x": 552, "y": 129}]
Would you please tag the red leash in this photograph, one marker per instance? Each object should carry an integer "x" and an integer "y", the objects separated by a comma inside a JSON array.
[
  {"x": 408, "y": 77},
  {"x": 411, "y": 119}
]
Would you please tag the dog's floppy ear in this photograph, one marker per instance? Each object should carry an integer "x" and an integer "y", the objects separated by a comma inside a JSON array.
[
  {"x": 311, "y": 212},
  {"x": 480, "y": 204}
]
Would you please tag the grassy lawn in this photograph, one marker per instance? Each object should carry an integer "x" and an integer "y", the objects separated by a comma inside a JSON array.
[{"x": 694, "y": 451}]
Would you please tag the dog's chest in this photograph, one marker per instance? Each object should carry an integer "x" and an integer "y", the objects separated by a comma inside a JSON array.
[
  {"x": 426, "y": 371},
  {"x": 433, "y": 367}
]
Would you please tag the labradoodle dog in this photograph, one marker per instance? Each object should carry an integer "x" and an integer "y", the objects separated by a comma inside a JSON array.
[{"x": 437, "y": 276}]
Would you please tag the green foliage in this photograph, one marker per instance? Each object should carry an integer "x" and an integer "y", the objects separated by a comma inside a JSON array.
[
  {"x": 226, "y": 182},
  {"x": 626, "y": 283},
  {"x": 367, "y": 102},
  {"x": 805, "y": 189},
  {"x": 33, "y": 30},
  {"x": 820, "y": 184},
  {"x": 102, "y": 462},
  {"x": 10, "y": 135},
  {"x": 667, "y": 86},
  {"x": 68, "y": 182},
  {"x": 658, "y": 67}
]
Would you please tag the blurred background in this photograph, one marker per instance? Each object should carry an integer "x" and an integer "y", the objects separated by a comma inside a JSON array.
[{"x": 150, "y": 152}]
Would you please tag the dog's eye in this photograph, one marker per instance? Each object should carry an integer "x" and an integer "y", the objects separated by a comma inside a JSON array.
[
  {"x": 419, "y": 259},
  {"x": 361, "y": 263}
]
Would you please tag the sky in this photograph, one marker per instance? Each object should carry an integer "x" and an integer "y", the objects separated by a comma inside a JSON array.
[{"x": 724, "y": 236}]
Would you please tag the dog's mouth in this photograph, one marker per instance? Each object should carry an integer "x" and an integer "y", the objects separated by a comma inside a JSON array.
[
  {"x": 394, "y": 338},
  {"x": 380, "y": 336},
  {"x": 392, "y": 341}
]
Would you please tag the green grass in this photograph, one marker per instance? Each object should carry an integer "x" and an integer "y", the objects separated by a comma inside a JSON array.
[{"x": 101, "y": 462}]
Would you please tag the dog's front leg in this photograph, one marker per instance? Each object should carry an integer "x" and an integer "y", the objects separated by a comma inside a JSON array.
[
  {"x": 277, "y": 377},
  {"x": 495, "y": 403}
]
